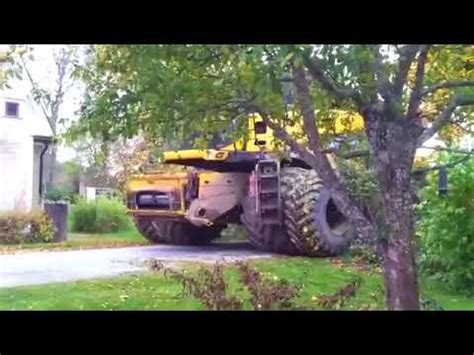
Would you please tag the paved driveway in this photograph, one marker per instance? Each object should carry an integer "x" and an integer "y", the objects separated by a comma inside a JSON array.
[{"x": 58, "y": 266}]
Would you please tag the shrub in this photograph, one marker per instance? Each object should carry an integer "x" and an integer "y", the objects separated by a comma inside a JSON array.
[
  {"x": 19, "y": 227},
  {"x": 446, "y": 227},
  {"x": 210, "y": 287},
  {"x": 267, "y": 294},
  {"x": 100, "y": 216},
  {"x": 430, "y": 304},
  {"x": 62, "y": 194},
  {"x": 338, "y": 299}
]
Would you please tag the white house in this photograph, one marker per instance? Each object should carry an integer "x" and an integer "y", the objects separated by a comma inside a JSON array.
[{"x": 25, "y": 135}]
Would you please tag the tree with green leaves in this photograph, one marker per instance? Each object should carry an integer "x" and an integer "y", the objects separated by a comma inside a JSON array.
[
  {"x": 446, "y": 229},
  {"x": 406, "y": 94},
  {"x": 9, "y": 67}
]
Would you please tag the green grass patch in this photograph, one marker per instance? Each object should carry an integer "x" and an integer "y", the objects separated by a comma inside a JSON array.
[
  {"x": 449, "y": 299},
  {"x": 153, "y": 291},
  {"x": 125, "y": 238},
  {"x": 123, "y": 293},
  {"x": 322, "y": 277}
]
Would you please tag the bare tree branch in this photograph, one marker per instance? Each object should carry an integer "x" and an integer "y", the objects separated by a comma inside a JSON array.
[
  {"x": 355, "y": 154},
  {"x": 62, "y": 61},
  {"x": 315, "y": 69},
  {"x": 407, "y": 55},
  {"x": 447, "y": 85},
  {"x": 444, "y": 118},
  {"x": 384, "y": 86},
  {"x": 320, "y": 162},
  {"x": 415, "y": 97},
  {"x": 365, "y": 153},
  {"x": 451, "y": 150},
  {"x": 459, "y": 125},
  {"x": 349, "y": 155},
  {"x": 40, "y": 100},
  {"x": 50, "y": 102},
  {"x": 383, "y": 83},
  {"x": 307, "y": 110},
  {"x": 438, "y": 167}
]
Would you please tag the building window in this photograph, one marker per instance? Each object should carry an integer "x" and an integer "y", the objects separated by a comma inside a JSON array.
[{"x": 12, "y": 109}]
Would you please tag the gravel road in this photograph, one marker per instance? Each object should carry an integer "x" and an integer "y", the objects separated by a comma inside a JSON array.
[{"x": 58, "y": 266}]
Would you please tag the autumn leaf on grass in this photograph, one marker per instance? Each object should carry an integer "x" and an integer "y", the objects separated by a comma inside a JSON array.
[{"x": 337, "y": 262}]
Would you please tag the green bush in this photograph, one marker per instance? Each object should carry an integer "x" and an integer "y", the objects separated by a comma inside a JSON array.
[
  {"x": 446, "y": 227},
  {"x": 20, "y": 227},
  {"x": 62, "y": 194},
  {"x": 100, "y": 216}
]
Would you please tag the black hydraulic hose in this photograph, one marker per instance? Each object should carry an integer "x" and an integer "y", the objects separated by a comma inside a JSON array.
[{"x": 41, "y": 170}]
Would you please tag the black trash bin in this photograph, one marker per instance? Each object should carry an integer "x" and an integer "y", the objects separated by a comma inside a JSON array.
[{"x": 58, "y": 212}]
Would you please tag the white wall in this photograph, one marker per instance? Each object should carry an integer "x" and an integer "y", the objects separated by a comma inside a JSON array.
[
  {"x": 16, "y": 165},
  {"x": 16, "y": 150}
]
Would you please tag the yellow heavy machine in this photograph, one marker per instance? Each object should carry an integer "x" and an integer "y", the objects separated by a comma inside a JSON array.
[{"x": 253, "y": 182}]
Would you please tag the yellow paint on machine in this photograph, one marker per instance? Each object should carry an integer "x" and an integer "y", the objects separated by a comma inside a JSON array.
[
  {"x": 201, "y": 154},
  {"x": 344, "y": 122}
]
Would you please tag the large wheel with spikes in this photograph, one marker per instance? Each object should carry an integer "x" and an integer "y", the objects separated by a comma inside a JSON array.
[
  {"x": 307, "y": 208},
  {"x": 176, "y": 232},
  {"x": 312, "y": 221},
  {"x": 268, "y": 238},
  {"x": 147, "y": 229}
]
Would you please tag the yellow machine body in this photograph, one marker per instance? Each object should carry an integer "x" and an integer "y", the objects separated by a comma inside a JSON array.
[
  {"x": 211, "y": 190},
  {"x": 344, "y": 122}
]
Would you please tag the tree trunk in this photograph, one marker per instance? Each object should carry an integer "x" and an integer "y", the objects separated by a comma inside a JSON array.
[
  {"x": 394, "y": 146},
  {"x": 399, "y": 259},
  {"x": 396, "y": 231}
]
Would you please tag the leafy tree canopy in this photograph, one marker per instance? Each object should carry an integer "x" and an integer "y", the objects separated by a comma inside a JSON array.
[{"x": 174, "y": 90}]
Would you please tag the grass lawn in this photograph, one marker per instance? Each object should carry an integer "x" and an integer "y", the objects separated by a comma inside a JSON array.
[
  {"x": 84, "y": 241},
  {"x": 153, "y": 291}
]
